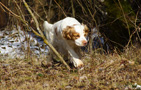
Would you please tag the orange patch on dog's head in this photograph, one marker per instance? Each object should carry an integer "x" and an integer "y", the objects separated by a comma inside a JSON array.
[
  {"x": 86, "y": 30},
  {"x": 70, "y": 34}
]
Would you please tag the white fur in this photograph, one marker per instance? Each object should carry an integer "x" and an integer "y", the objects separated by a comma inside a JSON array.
[{"x": 66, "y": 47}]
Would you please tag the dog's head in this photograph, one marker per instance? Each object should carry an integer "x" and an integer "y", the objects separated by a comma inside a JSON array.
[{"x": 76, "y": 33}]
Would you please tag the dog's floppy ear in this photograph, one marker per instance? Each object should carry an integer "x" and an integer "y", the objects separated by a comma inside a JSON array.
[
  {"x": 68, "y": 32},
  {"x": 86, "y": 29}
]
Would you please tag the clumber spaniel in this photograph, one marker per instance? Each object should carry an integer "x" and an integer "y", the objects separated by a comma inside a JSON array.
[{"x": 67, "y": 36}]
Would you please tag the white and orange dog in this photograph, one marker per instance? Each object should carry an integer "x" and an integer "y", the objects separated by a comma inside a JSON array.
[{"x": 67, "y": 36}]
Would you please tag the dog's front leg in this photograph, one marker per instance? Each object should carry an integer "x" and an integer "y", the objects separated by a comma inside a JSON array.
[{"x": 74, "y": 57}]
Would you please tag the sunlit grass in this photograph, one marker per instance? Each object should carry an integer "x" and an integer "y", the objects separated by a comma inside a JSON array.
[{"x": 112, "y": 71}]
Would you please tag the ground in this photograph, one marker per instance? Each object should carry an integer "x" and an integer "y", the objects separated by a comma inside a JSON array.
[{"x": 101, "y": 71}]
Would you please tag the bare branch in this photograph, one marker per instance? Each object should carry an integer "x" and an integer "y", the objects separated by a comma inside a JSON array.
[
  {"x": 36, "y": 33},
  {"x": 42, "y": 35}
]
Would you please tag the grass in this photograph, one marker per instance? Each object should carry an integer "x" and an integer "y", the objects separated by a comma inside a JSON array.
[{"x": 112, "y": 71}]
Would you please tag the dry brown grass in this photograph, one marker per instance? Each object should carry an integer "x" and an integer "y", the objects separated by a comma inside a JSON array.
[{"x": 111, "y": 71}]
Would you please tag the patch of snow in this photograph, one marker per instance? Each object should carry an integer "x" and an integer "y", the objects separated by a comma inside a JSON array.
[{"x": 14, "y": 43}]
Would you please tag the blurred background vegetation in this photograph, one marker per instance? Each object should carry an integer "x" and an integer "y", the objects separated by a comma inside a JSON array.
[{"x": 119, "y": 21}]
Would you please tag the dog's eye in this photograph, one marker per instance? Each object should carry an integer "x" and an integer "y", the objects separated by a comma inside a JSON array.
[
  {"x": 85, "y": 34},
  {"x": 76, "y": 35}
]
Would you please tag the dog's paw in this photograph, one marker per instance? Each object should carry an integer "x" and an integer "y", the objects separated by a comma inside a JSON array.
[{"x": 78, "y": 63}]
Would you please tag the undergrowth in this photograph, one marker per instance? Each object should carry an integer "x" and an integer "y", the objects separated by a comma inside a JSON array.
[{"x": 112, "y": 71}]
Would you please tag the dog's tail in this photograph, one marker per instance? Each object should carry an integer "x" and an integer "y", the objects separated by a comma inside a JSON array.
[
  {"x": 48, "y": 30},
  {"x": 47, "y": 26}
]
